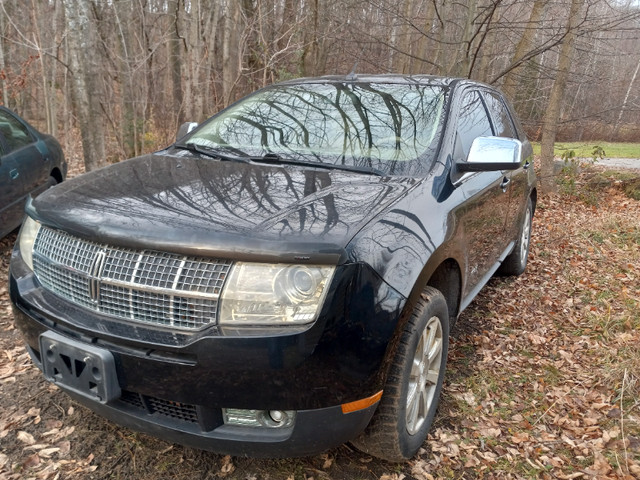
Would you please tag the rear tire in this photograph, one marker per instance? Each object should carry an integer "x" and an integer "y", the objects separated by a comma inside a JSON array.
[
  {"x": 516, "y": 262},
  {"x": 53, "y": 181},
  {"x": 400, "y": 425}
]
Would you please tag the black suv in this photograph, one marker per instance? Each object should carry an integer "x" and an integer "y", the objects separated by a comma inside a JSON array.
[{"x": 283, "y": 278}]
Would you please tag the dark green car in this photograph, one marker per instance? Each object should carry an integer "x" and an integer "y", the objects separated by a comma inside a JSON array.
[{"x": 30, "y": 162}]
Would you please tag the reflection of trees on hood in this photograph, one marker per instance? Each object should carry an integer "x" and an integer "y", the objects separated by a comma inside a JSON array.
[{"x": 237, "y": 197}]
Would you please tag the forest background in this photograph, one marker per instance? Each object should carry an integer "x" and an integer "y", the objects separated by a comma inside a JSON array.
[{"x": 120, "y": 76}]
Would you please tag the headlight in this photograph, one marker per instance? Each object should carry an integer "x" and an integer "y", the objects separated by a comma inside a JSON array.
[
  {"x": 28, "y": 234},
  {"x": 273, "y": 294}
]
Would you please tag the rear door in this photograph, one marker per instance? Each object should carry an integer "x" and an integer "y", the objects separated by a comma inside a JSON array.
[
  {"x": 20, "y": 144},
  {"x": 11, "y": 205},
  {"x": 21, "y": 169}
]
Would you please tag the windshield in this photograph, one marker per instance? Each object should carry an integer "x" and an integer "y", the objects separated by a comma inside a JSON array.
[{"x": 393, "y": 128}]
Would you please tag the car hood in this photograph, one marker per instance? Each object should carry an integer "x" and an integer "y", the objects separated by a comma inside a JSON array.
[{"x": 196, "y": 205}]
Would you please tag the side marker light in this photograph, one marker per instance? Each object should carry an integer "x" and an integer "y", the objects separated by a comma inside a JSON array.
[{"x": 362, "y": 403}]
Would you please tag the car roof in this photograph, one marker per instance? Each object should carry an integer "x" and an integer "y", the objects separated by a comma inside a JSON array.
[{"x": 380, "y": 78}]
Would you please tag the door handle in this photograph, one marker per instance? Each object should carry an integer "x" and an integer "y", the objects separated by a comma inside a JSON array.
[
  {"x": 505, "y": 181},
  {"x": 14, "y": 174}
]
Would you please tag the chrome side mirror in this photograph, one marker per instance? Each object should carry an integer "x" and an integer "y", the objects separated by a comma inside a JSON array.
[{"x": 491, "y": 154}]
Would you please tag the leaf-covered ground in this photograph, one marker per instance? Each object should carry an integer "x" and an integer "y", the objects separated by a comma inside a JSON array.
[{"x": 543, "y": 379}]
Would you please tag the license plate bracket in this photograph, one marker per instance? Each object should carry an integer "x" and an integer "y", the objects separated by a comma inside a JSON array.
[{"x": 84, "y": 369}]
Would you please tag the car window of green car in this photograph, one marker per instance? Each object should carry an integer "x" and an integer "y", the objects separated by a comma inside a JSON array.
[{"x": 14, "y": 133}]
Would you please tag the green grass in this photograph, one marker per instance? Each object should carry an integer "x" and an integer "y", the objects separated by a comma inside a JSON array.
[{"x": 585, "y": 149}]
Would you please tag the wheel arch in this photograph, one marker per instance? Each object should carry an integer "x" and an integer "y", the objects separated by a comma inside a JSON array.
[
  {"x": 447, "y": 279},
  {"x": 534, "y": 199},
  {"x": 57, "y": 174},
  {"x": 444, "y": 273}
]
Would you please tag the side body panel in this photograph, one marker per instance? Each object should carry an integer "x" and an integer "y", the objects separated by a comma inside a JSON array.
[
  {"x": 469, "y": 218},
  {"x": 27, "y": 161},
  {"x": 11, "y": 201}
]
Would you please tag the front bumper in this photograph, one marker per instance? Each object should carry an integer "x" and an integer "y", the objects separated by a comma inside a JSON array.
[
  {"x": 176, "y": 386},
  {"x": 202, "y": 426}
]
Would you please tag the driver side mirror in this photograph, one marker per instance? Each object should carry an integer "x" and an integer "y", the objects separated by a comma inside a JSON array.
[
  {"x": 185, "y": 128},
  {"x": 492, "y": 154}
]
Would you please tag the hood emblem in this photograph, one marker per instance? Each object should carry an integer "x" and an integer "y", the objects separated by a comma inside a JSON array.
[{"x": 95, "y": 275}]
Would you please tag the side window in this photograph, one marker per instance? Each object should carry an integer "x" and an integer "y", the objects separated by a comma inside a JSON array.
[
  {"x": 472, "y": 123},
  {"x": 500, "y": 116},
  {"x": 14, "y": 133}
]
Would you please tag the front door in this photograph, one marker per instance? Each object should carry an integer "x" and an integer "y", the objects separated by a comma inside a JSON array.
[{"x": 485, "y": 209}]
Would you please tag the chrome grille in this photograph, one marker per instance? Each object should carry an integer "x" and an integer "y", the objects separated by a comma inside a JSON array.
[
  {"x": 167, "y": 408},
  {"x": 140, "y": 285}
]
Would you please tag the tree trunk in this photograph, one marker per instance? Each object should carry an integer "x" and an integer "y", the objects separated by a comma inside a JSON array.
[
  {"x": 405, "y": 44},
  {"x": 4, "y": 91},
  {"x": 309, "y": 57},
  {"x": 129, "y": 123},
  {"x": 189, "y": 22},
  {"x": 523, "y": 47},
  {"x": 230, "y": 51},
  {"x": 423, "y": 43},
  {"x": 86, "y": 96},
  {"x": 48, "y": 88},
  {"x": 176, "y": 48},
  {"x": 552, "y": 113},
  {"x": 210, "y": 35},
  {"x": 462, "y": 60},
  {"x": 625, "y": 102}
]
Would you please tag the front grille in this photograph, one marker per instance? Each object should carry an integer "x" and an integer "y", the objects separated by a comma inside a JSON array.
[
  {"x": 179, "y": 411},
  {"x": 166, "y": 408},
  {"x": 139, "y": 285}
]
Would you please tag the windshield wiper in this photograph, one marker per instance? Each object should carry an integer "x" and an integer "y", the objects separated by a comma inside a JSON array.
[
  {"x": 195, "y": 148},
  {"x": 276, "y": 159}
]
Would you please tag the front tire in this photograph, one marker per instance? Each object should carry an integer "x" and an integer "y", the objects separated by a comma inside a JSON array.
[{"x": 400, "y": 425}]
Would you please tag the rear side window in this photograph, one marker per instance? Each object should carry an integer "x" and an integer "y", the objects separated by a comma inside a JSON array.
[
  {"x": 473, "y": 122},
  {"x": 15, "y": 134},
  {"x": 500, "y": 116}
]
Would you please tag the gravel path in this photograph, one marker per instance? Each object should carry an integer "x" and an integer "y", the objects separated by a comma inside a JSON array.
[{"x": 631, "y": 163}]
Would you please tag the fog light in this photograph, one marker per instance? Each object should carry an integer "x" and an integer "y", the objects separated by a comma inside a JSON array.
[
  {"x": 235, "y": 416},
  {"x": 259, "y": 418},
  {"x": 277, "y": 416}
]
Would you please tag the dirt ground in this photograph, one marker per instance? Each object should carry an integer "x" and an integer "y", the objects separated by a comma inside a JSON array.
[{"x": 542, "y": 382}]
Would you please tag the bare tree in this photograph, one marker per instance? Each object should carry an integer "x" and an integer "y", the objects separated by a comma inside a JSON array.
[
  {"x": 552, "y": 114},
  {"x": 4, "y": 91},
  {"x": 126, "y": 73},
  {"x": 625, "y": 102},
  {"x": 230, "y": 51},
  {"x": 81, "y": 37},
  {"x": 523, "y": 48}
]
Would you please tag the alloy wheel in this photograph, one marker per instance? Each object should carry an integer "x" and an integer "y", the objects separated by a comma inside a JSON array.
[{"x": 423, "y": 379}]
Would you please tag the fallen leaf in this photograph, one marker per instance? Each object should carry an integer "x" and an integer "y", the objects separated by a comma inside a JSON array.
[
  {"x": 64, "y": 446},
  {"x": 25, "y": 437},
  {"x": 227, "y": 466},
  {"x": 31, "y": 461},
  {"x": 47, "y": 452}
]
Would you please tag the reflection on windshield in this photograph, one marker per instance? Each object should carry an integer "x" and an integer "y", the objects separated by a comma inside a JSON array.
[{"x": 391, "y": 127}]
